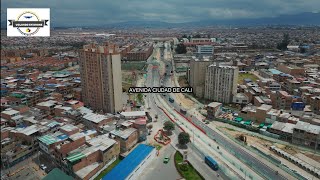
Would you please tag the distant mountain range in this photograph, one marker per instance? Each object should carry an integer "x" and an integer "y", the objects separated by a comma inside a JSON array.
[{"x": 296, "y": 19}]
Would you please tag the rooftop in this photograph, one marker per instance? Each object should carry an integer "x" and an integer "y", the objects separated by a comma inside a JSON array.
[
  {"x": 214, "y": 104},
  {"x": 128, "y": 164},
  {"x": 10, "y": 112},
  {"x": 314, "y": 129},
  {"x": 69, "y": 127},
  {"x": 82, "y": 173},
  {"x": 96, "y": 118},
  {"x": 265, "y": 107},
  {"x": 102, "y": 141},
  {"x": 123, "y": 133},
  {"x": 57, "y": 174},
  {"x": 47, "y": 103},
  {"x": 28, "y": 130},
  {"x": 133, "y": 113}
]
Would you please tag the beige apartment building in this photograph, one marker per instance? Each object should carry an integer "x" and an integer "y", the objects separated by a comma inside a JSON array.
[
  {"x": 197, "y": 75},
  {"x": 221, "y": 83},
  {"x": 101, "y": 80}
]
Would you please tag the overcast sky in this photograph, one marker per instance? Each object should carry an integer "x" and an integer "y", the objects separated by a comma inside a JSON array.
[{"x": 92, "y": 12}]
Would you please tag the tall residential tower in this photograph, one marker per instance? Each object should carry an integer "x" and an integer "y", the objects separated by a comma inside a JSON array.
[
  {"x": 101, "y": 80},
  {"x": 221, "y": 83}
]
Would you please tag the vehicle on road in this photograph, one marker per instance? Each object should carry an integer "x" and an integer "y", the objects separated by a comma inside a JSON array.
[
  {"x": 171, "y": 100},
  {"x": 211, "y": 163},
  {"x": 183, "y": 111},
  {"x": 166, "y": 160}
]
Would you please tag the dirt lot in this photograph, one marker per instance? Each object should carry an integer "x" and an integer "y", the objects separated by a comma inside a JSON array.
[
  {"x": 183, "y": 81},
  {"x": 265, "y": 144},
  {"x": 186, "y": 102}
]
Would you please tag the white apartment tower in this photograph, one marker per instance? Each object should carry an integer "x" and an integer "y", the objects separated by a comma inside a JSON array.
[{"x": 221, "y": 83}]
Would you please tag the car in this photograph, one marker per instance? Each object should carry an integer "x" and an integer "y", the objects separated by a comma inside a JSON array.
[
  {"x": 44, "y": 167},
  {"x": 207, "y": 122},
  {"x": 166, "y": 160}
]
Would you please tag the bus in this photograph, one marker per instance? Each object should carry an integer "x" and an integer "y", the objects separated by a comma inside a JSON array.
[
  {"x": 211, "y": 163},
  {"x": 171, "y": 100}
]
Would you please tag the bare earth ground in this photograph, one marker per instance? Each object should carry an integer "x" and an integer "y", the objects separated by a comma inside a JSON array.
[
  {"x": 186, "y": 102},
  {"x": 263, "y": 142},
  {"x": 264, "y": 145}
]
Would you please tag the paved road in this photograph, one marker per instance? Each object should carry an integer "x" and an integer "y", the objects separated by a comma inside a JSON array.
[
  {"x": 253, "y": 162},
  {"x": 157, "y": 170},
  {"x": 197, "y": 160}
]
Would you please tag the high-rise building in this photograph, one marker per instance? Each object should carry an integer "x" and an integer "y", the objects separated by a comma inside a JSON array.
[
  {"x": 101, "y": 80},
  {"x": 221, "y": 83},
  {"x": 197, "y": 74}
]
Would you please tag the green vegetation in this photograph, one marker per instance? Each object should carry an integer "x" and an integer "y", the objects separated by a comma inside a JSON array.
[
  {"x": 183, "y": 138},
  {"x": 108, "y": 169},
  {"x": 168, "y": 126},
  {"x": 132, "y": 66},
  {"x": 181, "y": 49},
  {"x": 140, "y": 98},
  {"x": 186, "y": 170},
  {"x": 158, "y": 146},
  {"x": 243, "y": 76},
  {"x": 284, "y": 43}
]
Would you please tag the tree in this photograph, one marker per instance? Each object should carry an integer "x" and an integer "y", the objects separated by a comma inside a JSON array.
[
  {"x": 284, "y": 43},
  {"x": 183, "y": 138},
  {"x": 140, "y": 98},
  {"x": 168, "y": 126},
  {"x": 181, "y": 49},
  {"x": 197, "y": 36},
  {"x": 184, "y": 36}
]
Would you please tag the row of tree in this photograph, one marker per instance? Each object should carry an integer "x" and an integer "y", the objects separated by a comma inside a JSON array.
[{"x": 183, "y": 137}]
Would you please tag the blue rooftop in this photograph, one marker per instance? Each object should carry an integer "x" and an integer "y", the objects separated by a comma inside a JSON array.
[
  {"x": 129, "y": 163},
  {"x": 62, "y": 136},
  {"x": 274, "y": 71}
]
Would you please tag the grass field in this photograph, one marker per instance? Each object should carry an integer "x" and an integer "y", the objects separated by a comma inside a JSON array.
[
  {"x": 243, "y": 76},
  {"x": 128, "y": 66},
  {"x": 104, "y": 172},
  {"x": 186, "y": 170}
]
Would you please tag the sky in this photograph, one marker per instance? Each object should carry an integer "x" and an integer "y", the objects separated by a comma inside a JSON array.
[{"x": 99, "y": 12}]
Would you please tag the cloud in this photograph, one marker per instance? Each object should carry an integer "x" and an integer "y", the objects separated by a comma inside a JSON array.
[{"x": 84, "y": 12}]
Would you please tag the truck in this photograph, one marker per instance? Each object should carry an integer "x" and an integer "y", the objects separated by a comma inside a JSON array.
[
  {"x": 171, "y": 100},
  {"x": 183, "y": 111}
]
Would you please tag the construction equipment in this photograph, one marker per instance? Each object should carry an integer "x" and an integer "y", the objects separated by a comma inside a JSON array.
[{"x": 243, "y": 138}]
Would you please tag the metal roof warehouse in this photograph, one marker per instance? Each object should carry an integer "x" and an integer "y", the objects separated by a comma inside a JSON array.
[{"x": 136, "y": 160}]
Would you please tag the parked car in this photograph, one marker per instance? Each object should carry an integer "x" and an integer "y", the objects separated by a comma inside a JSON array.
[{"x": 43, "y": 167}]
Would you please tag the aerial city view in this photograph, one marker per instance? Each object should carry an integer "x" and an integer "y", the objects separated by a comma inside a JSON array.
[{"x": 160, "y": 90}]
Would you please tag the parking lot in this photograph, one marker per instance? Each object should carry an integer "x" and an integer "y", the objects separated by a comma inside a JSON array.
[
  {"x": 30, "y": 171},
  {"x": 46, "y": 161}
]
